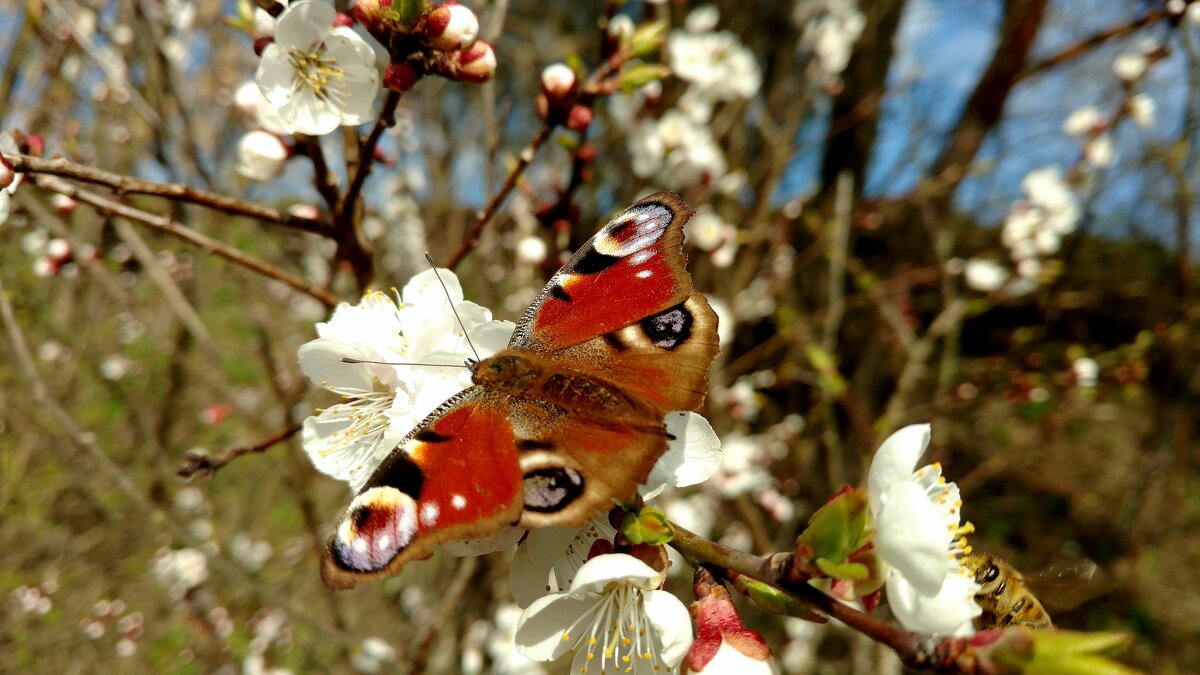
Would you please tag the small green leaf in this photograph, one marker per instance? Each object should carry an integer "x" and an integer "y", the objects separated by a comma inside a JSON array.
[
  {"x": 838, "y": 528},
  {"x": 648, "y": 38},
  {"x": 636, "y": 77},
  {"x": 845, "y": 571}
]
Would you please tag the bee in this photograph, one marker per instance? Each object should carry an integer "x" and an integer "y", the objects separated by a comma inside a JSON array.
[{"x": 1004, "y": 595}]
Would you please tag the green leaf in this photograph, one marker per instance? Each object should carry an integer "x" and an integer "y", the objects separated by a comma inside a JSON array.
[
  {"x": 636, "y": 77},
  {"x": 647, "y": 38},
  {"x": 774, "y": 601},
  {"x": 838, "y": 528},
  {"x": 845, "y": 571}
]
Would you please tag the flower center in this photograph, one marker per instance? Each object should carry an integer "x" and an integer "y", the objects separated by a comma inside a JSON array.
[
  {"x": 620, "y": 633},
  {"x": 319, "y": 73},
  {"x": 364, "y": 409}
]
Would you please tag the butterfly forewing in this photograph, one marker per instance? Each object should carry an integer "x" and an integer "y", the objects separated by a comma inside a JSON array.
[{"x": 631, "y": 269}]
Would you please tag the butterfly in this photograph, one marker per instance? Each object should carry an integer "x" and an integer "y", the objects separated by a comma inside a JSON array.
[{"x": 565, "y": 420}]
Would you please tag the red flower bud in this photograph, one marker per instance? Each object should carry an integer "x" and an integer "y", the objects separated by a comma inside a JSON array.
[
  {"x": 477, "y": 64},
  {"x": 579, "y": 117},
  {"x": 400, "y": 77}
]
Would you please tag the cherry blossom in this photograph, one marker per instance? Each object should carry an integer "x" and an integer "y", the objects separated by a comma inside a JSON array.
[
  {"x": 316, "y": 75},
  {"x": 918, "y": 534},
  {"x": 611, "y": 617}
]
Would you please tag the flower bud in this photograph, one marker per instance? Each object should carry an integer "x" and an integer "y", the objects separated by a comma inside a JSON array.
[
  {"x": 579, "y": 117},
  {"x": 63, "y": 204},
  {"x": 450, "y": 27},
  {"x": 342, "y": 19},
  {"x": 558, "y": 81},
  {"x": 476, "y": 64}
]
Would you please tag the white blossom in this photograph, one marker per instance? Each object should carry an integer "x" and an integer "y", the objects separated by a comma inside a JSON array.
[
  {"x": 718, "y": 66},
  {"x": 918, "y": 534},
  {"x": 1082, "y": 121},
  {"x": 985, "y": 275},
  {"x": 1100, "y": 152},
  {"x": 261, "y": 155},
  {"x": 1142, "y": 107},
  {"x": 318, "y": 76},
  {"x": 1130, "y": 66},
  {"x": 1087, "y": 372},
  {"x": 611, "y": 617},
  {"x": 180, "y": 571},
  {"x": 828, "y": 31}
]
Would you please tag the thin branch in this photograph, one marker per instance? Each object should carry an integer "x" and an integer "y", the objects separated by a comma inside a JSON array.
[
  {"x": 493, "y": 205},
  {"x": 122, "y": 184},
  {"x": 1081, "y": 47},
  {"x": 175, "y": 229},
  {"x": 366, "y": 155},
  {"x": 207, "y": 465},
  {"x": 917, "y": 650}
]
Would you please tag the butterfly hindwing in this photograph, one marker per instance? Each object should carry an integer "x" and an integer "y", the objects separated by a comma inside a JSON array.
[
  {"x": 631, "y": 269},
  {"x": 454, "y": 477}
]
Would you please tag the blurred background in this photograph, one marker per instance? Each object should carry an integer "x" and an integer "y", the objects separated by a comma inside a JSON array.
[{"x": 975, "y": 213}]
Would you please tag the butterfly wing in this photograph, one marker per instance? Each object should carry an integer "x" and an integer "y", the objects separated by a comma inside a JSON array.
[
  {"x": 631, "y": 269},
  {"x": 430, "y": 490}
]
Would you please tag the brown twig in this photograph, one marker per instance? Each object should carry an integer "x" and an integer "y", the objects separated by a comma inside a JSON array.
[
  {"x": 178, "y": 230},
  {"x": 58, "y": 166},
  {"x": 199, "y": 462},
  {"x": 323, "y": 179},
  {"x": 493, "y": 205},
  {"x": 1081, "y": 47},
  {"x": 366, "y": 155}
]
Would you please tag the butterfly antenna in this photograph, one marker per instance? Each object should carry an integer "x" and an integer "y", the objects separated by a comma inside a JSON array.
[
  {"x": 429, "y": 259},
  {"x": 347, "y": 359}
]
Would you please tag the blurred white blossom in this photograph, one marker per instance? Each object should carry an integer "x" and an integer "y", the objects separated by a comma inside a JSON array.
[
  {"x": 261, "y": 155},
  {"x": 716, "y": 64},
  {"x": 181, "y": 570},
  {"x": 828, "y": 31},
  {"x": 1130, "y": 66},
  {"x": 1087, "y": 372},
  {"x": 1142, "y": 108},
  {"x": 984, "y": 275},
  {"x": 1082, "y": 121}
]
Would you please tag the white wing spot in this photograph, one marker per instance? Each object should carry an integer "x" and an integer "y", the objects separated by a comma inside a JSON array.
[
  {"x": 359, "y": 545},
  {"x": 384, "y": 541},
  {"x": 640, "y": 257},
  {"x": 459, "y": 502},
  {"x": 429, "y": 514},
  {"x": 644, "y": 274}
]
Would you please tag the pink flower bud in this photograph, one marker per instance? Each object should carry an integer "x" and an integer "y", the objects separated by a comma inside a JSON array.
[
  {"x": 63, "y": 204},
  {"x": 558, "y": 81},
  {"x": 476, "y": 64},
  {"x": 343, "y": 19},
  {"x": 371, "y": 13},
  {"x": 450, "y": 27},
  {"x": 579, "y": 117}
]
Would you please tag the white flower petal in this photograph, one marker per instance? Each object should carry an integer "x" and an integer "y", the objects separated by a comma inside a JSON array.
[
  {"x": 603, "y": 569},
  {"x": 543, "y": 624},
  {"x": 895, "y": 461},
  {"x": 5, "y": 206},
  {"x": 912, "y": 536},
  {"x": 490, "y": 337},
  {"x": 304, "y": 24},
  {"x": 673, "y": 623},
  {"x": 949, "y": 612},
  {"x": 692, "y": 456},
  {"x": 321, "y": 361},
  {"x": 424, "y": 289}
]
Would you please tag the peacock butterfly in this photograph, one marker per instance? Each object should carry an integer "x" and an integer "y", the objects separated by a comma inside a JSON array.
[{"x": 565, "y": 420}]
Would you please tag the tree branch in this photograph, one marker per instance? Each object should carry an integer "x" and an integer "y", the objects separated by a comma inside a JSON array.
[
  {"x": 126, "y": 185},
  {"x": 203, "y": 463},
  {"x": 493, "y": 205},
  {"x": 175, "y": 229}
]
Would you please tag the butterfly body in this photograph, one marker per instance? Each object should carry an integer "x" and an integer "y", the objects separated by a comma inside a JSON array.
[{"x": 565, "y": 420}]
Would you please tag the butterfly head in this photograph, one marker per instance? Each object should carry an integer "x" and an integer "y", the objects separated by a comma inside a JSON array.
[{"x": 507, "y": 370}]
